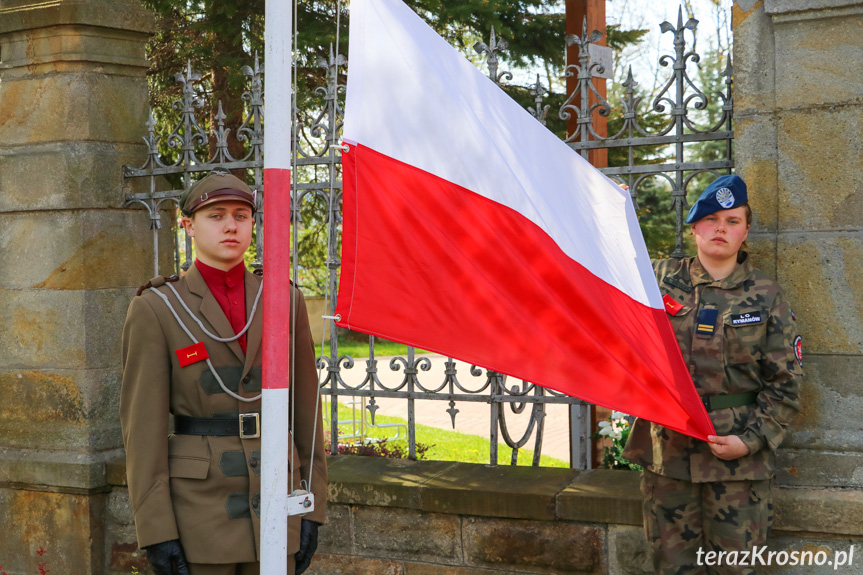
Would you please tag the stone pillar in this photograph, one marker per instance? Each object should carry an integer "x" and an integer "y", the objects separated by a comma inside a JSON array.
[
  {"x": 798, "y": 105},
  {"x": 73, "y": 103}
]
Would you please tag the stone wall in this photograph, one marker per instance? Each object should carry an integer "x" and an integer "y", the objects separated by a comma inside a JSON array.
[
  {"x": 441, "y": 518},
  {"x": 798, "y": 107},
  {"x": 73, "y": 102}
]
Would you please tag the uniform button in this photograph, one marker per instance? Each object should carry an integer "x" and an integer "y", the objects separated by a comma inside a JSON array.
[
  {"x": 247, "y": 379},
  {"x": 253, "y": 462},
  {"x": 256, "y": 500}
]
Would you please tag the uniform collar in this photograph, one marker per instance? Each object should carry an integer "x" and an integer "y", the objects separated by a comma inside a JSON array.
[
  {"x": 210, "y": 308},
  {"x": 698, "y": 275},
  {"x": 214, "y": 276}
]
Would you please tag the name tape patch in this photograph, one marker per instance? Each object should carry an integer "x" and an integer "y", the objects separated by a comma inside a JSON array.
[
  {"x": 192, "y": 354},
  {"x": 678, "y": 284},
  {"x": 745, "y": 318}
]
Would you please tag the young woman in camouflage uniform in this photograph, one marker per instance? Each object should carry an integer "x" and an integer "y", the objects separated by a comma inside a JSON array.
[{"x": 738, "y": 335}]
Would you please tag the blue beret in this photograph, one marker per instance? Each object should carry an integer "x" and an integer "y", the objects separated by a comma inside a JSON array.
[{"x": 723, "y": 193}]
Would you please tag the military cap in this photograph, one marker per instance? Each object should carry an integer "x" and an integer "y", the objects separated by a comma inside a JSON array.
[
  {"x": 723, "y": 193},
  {"x": 217, "y": 186}
]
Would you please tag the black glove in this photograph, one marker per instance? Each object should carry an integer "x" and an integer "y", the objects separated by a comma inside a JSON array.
[
  {"x": 308, "y": 545},
  {"x": 167, "y": 555}
]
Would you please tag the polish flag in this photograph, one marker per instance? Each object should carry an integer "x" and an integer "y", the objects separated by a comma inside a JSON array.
[{"x": 472, "y": 231}]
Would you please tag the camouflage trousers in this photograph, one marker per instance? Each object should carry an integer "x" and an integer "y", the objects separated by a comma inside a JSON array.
[{"x": 684, "y": 521}]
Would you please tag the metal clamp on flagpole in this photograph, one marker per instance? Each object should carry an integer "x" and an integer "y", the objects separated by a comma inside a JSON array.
[
  {"x": 337, "y": 317},
  {"x": 344, "y": 147},
  {"x": 300, "y": 502}
]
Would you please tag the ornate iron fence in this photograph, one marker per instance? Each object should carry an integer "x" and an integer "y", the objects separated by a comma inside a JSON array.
[
  {"x": 679, "y": 95},
  {"x": 316, "y": 178}
]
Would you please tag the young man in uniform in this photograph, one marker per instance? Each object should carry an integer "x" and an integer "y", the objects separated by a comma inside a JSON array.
[{"x": 192, "y": 348}]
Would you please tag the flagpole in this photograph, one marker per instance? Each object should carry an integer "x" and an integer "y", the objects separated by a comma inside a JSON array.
[{"x": 278, "y": 36}]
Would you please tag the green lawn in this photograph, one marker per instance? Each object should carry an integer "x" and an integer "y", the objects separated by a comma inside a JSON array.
[
  {"x": 447, "y": 445},
  {"x": 361, "y": 348}
]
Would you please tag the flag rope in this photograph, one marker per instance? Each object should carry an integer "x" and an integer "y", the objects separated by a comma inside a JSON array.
[
  {"x": 326, "y": 318},
  {"x": 294, "y": 245}
]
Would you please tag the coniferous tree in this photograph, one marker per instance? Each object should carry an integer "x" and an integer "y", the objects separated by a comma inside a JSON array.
[{"x": 218, "y": 38}]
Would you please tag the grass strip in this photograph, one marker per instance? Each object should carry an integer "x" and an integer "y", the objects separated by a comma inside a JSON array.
[
  {"x": 360, "y": 349},
  {"x": 446, "y": 445}
]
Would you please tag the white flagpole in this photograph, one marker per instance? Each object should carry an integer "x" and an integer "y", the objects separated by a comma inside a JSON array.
[{"x": 278, "y": 36}]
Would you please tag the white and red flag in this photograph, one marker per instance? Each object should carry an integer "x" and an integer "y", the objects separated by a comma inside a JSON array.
[{"x": 471, "y": 230}]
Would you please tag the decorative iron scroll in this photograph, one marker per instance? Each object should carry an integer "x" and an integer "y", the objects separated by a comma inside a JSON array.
[{"x": 678, "y": 96}]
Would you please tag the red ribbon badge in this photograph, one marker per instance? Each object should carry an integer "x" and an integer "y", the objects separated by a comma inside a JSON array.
[
  {"x": 672, "y": 306},
  {"x": 192, "y": 354}
]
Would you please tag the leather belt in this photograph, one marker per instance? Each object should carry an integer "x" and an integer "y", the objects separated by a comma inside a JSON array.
[
  {"x": 712, "y": 402},
  {"x": 246, "y": 425}
]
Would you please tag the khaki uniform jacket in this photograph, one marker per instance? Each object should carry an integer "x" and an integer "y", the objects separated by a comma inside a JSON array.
[
  {"x": 205, "y": 490},
  {"x": 751, "y": 350}
]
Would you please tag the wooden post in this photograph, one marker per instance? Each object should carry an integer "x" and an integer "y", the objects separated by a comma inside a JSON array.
[
  {"x": 594, "y": 11},
  {"x": 576, "y": 12}
]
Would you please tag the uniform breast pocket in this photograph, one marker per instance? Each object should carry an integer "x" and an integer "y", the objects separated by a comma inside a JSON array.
[
  {"x": 681, "y": 320},
  {"x": 188, "y": 457},
  {"x": 745, "y": 334}
]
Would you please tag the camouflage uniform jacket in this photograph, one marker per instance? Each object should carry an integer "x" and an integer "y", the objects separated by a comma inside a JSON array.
[{"x": 745, "y": 353}]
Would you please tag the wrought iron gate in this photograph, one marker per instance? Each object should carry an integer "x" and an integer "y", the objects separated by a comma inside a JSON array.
[{"x": 316, "y": 178}]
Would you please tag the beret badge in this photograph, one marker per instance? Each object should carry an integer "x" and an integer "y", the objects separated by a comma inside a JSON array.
[{"x": 724, "y": 197}]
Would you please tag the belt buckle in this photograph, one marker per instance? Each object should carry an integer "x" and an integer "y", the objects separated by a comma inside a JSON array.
[
  {"x": 706, "y": 401},
  {"x": 250, "y": 417}
]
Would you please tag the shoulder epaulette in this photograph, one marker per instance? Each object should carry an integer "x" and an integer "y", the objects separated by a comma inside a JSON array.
[{"x": 157, "y": 281}]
